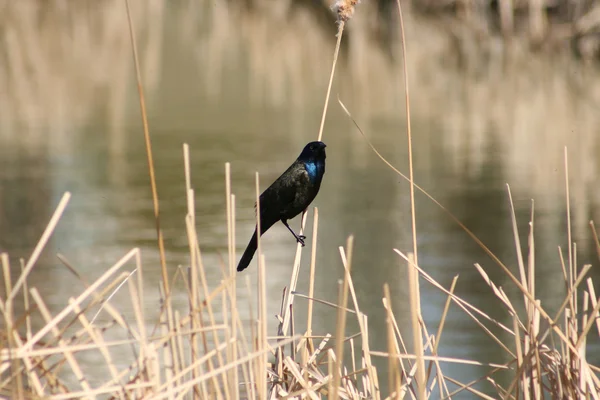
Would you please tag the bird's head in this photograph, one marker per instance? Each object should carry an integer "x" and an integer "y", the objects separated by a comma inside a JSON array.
[{"x": 314, "y": 151}]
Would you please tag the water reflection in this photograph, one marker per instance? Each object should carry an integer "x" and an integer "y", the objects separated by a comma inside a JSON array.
[{"x": 244, "y": 88}]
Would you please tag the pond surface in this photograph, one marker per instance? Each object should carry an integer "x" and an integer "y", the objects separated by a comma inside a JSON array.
[{"x": 248, "y": 89}]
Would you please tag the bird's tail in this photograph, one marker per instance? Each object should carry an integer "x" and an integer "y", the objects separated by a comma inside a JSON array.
[{"x": 248, "y": 253}]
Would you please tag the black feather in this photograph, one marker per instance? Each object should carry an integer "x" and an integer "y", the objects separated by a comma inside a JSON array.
[{"x": 289, "y": 195}]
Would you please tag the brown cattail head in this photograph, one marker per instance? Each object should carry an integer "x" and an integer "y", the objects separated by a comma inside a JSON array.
[{"x": 344, "y": 9}]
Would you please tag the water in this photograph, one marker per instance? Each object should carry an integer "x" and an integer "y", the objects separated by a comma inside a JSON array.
[{"x": 243, "y": 88}]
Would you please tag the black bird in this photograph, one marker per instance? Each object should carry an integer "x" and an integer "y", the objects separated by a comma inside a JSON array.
[{"x": 289, "y": 195}]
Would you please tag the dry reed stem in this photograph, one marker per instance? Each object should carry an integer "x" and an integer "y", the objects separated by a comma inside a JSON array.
[
  {"x": 444, "y": 314},
  {"x": 332, "y": 362},
  {"x": 408, "y": 134},
  {"x": 588, "y": 325},
  {"x": 148, "y": 143},
  {"x": 194, "y": 284},
  {"x": 393, "y": 371},
  {"x": 321, "y": 301},
  {"x": 232, "y": 292},
  {"x": 353, "y": 355},
  {"x": 96, "y": 392},
  {"x": 362, "y": 323},
  {"x": 519, "y": 352},
  {"x": 531, "y": 257},
  {"x": 170, "y": 370},
  {"x": 335, "y": 57},
  {"x": 415, "y": 314},
  {"x": 293, "y": 281},
  {"x": 146, "y": 351},
  {"x": 568, "y": 199},
  {"x": 451, "y": 360},
  {"x": 311, "y": 285},
  {"x": 520, "y": 261},
  {"x": 341, "y": 320},
  {"x": 593, "y": 298},
  {"x": 402, "y": 345},
  {"x": 263, "y": 346},
  {"x": 40, "y": 245},
  {"x": 7, "y": 278},
  {"x": 7, "y": 310},
  {"x": 438, "y": 337},
  {"x": 26, "y": 304},
  {"x": 596, "y": 240},
  {"x": 563, "y": 268}
]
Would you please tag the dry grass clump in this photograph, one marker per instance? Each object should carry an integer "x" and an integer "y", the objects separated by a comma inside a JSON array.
[{"x": 210, "y": 353}]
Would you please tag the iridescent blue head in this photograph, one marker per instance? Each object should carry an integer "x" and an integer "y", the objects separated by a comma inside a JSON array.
[
  {"x": 314, "y": 151},
  {"x": 313, "y": 157}
]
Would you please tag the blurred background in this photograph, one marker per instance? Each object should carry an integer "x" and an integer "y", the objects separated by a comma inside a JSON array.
[{"x": 498, "y": 89}]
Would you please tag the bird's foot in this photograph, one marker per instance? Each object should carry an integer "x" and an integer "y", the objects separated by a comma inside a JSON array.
[{"x": 300, "y": 239}]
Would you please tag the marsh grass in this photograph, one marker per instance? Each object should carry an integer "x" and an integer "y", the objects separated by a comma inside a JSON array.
[
  {"x": 207, "y": 351},
  {"x": 210, "y": 353}
]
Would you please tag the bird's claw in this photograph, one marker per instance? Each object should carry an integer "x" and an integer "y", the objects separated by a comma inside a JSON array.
[{"x": 300, "y": 240}]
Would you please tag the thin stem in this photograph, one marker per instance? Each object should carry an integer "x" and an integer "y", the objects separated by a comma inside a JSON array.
[
  {"x": 138, "y": 75},
  {"x": 335, "y": 57}
]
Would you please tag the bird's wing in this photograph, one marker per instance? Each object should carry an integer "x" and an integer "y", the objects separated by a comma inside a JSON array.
[{"x": 275, "y": 199}]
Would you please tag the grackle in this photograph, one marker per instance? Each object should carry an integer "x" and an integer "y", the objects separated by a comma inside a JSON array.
[{"x": 289, "y": 195}]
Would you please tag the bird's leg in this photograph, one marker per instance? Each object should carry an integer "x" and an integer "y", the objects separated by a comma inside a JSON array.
[
  {"x": 299, "y": 238},
  {"x": 301, "y": 218}
]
